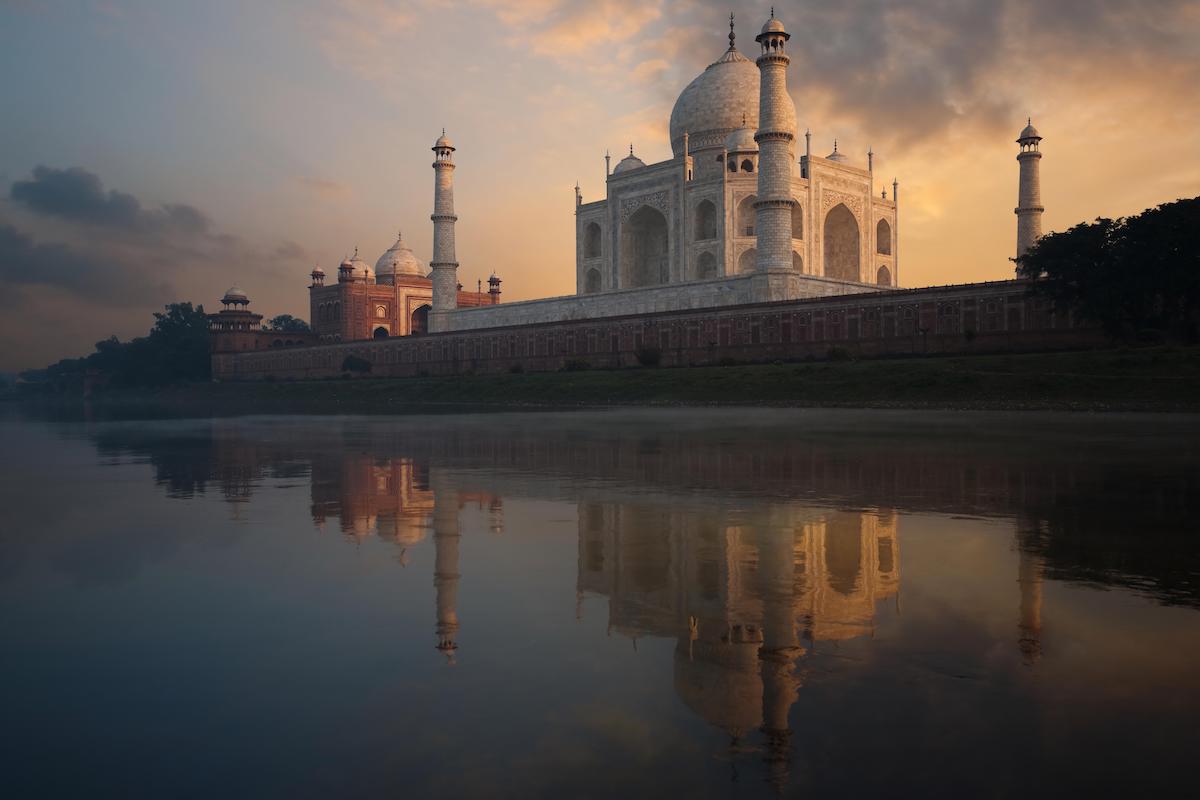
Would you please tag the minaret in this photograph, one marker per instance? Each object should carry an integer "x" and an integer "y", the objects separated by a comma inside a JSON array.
[
  {"x": 444, "y": 265},
  {"x": 773, "y": 209},
  {"x": 780, "y": 647},
  {"x": 1029, "y": 197},
  {"x": 446, "y": 536}
]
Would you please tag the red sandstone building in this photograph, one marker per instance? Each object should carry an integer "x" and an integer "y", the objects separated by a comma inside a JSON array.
[
  {"x": 237, "y": 329},
  {"x": 393, "y": 301}
]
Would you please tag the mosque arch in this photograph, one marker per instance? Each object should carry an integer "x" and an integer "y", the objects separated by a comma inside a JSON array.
[
  {"x": 591, "y": 281},
  {"x": 745, "y": 216},
  {"x": 645, "y": 248},
  {"x": 337, "y": 310},
  {"x": 747, "y": 165},
  {"x": 706, "y": 221},
  {"x": 797, "y": 262},
  {"x": 797, "y": 221},
  {"x": 841, "y": 244},
  {"x": 883, "y": 238},
  {"x": 419, "y": 322},
  {"x": 591, "y": 241},
  {"x": 746, "y": 261},
  {"x": 706, "y": 266},
  {"x": 380, "y": 333},
  {"x": 380, "y": 311},
  {"x": 884, "y": 276}
]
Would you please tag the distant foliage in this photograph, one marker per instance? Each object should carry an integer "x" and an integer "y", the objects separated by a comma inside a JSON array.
[
  {"x": 286, "y": 323},
  {"x": 1138, "y": 277},
  {"x": 175, "y": 351}
]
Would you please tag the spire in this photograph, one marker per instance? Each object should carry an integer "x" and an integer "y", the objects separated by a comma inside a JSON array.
[
  {"x": 631, "y": 148},
  {"x": 731, "y": 34}
]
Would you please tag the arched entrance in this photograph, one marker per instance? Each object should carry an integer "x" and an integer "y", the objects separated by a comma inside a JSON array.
[
  {"x": 883, "y": 238},
  {"x": 746, "y": 261},
  {"x": 380, "y": 333},
  {"x": 884, "y": 276},
  {"x": 644, "y": 249},
  {"x": 706, "y": 221},
  {"x": 591, "y": 281},
  {"x": 841, "y": 244},
  {"x": 420, "y": 321}
]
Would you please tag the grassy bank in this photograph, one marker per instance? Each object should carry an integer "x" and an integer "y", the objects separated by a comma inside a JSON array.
[{"x": 1159, "y": 379}]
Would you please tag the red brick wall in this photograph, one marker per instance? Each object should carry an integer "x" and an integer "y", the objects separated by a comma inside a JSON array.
[{"x": 980, "y": 317}]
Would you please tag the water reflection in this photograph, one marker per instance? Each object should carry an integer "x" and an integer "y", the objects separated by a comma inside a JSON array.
[{"x": 761, "y": 549}]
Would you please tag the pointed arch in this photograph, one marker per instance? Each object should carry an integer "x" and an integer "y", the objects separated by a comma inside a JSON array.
[
  {"x": 797, "y": 262},
  {"x": 797, "y": 221},
  {"x": 645, "y": 249},
  {"x": 745, "y": 216},
  {"x": 746, "y": 261},
  {"x": 884, "y": 276},
  {"x": 591, "y": 281},
  {"x": 591, "y": 241},
  {"x": 883, "y": 238},
  {"x": 841, "y": 238},
  {"x": 706, "y": 221}
]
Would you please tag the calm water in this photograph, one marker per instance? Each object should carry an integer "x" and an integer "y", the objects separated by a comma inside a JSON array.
[{"x": 625, "y": 604}]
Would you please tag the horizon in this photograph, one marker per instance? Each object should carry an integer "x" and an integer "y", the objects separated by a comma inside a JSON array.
[{"x": 169, "y": 152}]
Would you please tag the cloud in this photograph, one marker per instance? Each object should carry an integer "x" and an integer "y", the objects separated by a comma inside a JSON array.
[
  {"x": 77, "y": 195},
  {"x": 92, "y": 273}
]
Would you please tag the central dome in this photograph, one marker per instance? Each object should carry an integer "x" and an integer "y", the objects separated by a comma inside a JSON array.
[
  {"x": 712, "y": 106},
  {"x": 398, "y": 260}
]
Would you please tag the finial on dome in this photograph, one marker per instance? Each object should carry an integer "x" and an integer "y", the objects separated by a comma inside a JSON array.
[
  {"x": 356, "y": 251},
  {"x": 631, "y": 148},
  {"x": 772, "y": 12},
  {"x": 835, "y": 145},
  {"x": 743, "y": 119},
  {"x": 731, "y": 34}
]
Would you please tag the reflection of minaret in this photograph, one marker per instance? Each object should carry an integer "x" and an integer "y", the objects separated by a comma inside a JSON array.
[
  {"x": 446, "y": 535},
  {"x": 1029, "y": 576},
  {"x": 780, "y": 648}
]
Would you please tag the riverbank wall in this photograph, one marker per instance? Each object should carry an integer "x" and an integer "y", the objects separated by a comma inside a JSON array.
[{"x": 989, "y": 317}]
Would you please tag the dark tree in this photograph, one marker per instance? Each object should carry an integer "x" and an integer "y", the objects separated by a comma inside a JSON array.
[
  {"x": 1131, "y": 276},
  {"x": 286, "y": 323}
]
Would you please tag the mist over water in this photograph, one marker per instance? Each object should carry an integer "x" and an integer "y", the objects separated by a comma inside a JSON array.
[{"x": 736, "y": 602}]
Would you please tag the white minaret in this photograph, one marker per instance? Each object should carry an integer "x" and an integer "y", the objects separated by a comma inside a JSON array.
[
  {"x": 444, "y": 264},
  {"x": 773, "y": 209},
  {"x": 1029, "y": 197}
]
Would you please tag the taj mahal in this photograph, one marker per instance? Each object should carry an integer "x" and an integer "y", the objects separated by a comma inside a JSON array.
[{"x": 695, "y": 254}]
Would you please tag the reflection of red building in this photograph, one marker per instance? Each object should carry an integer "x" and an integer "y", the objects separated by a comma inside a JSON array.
[{"x": 393, "y": 301}]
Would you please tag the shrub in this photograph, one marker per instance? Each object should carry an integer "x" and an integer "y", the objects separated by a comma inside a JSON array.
[
  {"x": 356, "y": 364},
  {"x": 648, "y": 356},
  {"x": 576, "y": 365},
  {"x": 727, "y": 361},
  {"x": 516, "y": 369},
  {"x": 838, "y": 354}
]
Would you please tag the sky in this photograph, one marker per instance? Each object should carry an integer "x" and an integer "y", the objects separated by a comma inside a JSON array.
[{"x": 160, "y": 151}]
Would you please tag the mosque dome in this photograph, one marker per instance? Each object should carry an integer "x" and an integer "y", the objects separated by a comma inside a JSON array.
[
  {"x": 235, "y": 295},
  {"x": 627, "y": 163},
  {"x": 835, "y": 155},
  {"x": 399, "y": 260},
  {"x": 714, "y": 104},
  {"x": 741, "y": 141},
  {"x": 443, "y": 141}
]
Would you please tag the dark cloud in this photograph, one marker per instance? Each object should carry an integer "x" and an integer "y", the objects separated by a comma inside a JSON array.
[
  {"x": 907, "y": 72},
  {"x": 77, "y": 195},
  {"x": 94, "y": 274}
]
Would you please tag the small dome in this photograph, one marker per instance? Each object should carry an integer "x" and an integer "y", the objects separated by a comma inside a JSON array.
[
  {"x": 741, "y": 141},
  {"x": 1030, "y": 132},
  {"x": 360, "y": 268},
  {"x": 773, "y": 26},
  {"x": 443, "y": 141},
  {"x": 627, "y": 163},
  {"x": 346, "y": 263},
  {"x": 835, "y": 155},
  {"x": 317, "y": 270},
  {"x": 399, "y": 260},
  {"x": 235, "y": 295}
]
